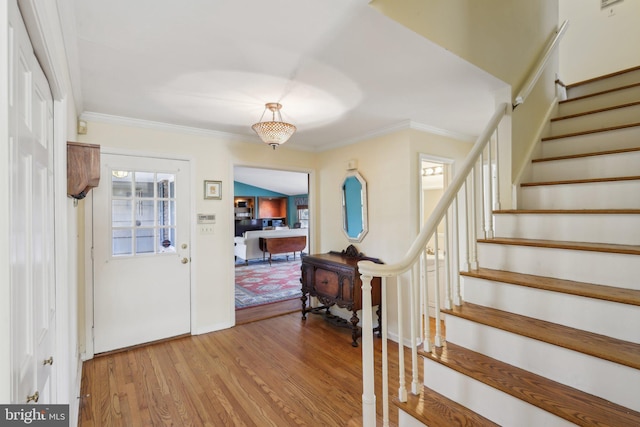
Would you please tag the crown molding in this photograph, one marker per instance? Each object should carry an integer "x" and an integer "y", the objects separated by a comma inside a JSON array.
[
  {"x": 400, "y": 126},
  {"x": 148, "y": 124}
]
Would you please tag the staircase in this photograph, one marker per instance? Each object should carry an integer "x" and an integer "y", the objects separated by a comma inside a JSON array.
[{"x": 549, "y": 330}]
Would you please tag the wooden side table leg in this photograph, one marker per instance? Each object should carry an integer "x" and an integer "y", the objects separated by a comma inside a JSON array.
[{"x": 354, "y": 329}]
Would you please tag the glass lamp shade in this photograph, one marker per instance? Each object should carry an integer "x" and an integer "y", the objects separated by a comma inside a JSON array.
[{"x": 273, "y": 132}]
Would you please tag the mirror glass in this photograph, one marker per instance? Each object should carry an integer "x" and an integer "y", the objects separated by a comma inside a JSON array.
[{"x": 354, "y": 206}]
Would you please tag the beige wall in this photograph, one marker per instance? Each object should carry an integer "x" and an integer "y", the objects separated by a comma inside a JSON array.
[
  {"x": 390, "y": 165},
  {"x": 599, "y": 41},
  {"x": 503, "y": 37},
  {"x": 211, "y": 158}
]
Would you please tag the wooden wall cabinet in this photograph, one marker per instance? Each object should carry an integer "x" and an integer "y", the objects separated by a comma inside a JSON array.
[{"x": 83, "y": 168}]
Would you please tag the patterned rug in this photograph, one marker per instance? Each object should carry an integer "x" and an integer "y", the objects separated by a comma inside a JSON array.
[{"x": 260, "y": 283}]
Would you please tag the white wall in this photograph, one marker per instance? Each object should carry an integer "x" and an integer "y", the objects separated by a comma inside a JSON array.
[{"x": 598, "y": 41}]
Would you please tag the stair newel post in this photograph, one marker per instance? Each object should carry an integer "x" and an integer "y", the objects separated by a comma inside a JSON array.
[
  {"x": 414, "y": 328},
  {"x": 402, "y": 387},
  {"x": 368, "y": 372}
]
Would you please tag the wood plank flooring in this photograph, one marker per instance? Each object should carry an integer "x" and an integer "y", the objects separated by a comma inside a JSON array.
[
  {"x": 275, "y": 372},
  {"x": 267, "y": 311}
]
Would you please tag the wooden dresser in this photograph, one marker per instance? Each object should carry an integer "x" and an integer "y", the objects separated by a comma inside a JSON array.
[{"x": 334, "y": 279}]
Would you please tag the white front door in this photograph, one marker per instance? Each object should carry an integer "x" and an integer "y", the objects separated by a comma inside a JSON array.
[
  {"x": 141, "y": 250},
  {"x": 33, "y": 287}
]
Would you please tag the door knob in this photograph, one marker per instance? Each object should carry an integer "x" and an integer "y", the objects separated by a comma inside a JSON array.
[
  {"x": 48, "y": 361},
  {"x": 34, "y": 397},
  {"x": 184, "y": 260}
]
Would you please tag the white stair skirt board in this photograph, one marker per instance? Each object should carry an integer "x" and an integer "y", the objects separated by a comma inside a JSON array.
[
  {"x": 489, "y": 402},
  {"x": 588, "y": 314},
  {"x": 621, "y": 229},
  {"x": 600, "y": 268},
  {"x": 601, "y": 166},
  {"x": 591, "y": 195},
  {"x": 605, "y": 84},
  {"x": 611, "y": 381},
  {"x": 605, "y": 100},
  {"x": 600, "y": 120},
  {"x": 599, "y": 141}
]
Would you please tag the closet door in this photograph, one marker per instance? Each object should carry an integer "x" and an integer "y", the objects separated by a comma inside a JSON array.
[{"x": 31, "y": 218}]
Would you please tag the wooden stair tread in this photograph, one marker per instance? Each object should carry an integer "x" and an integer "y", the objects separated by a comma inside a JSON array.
[
  {"x": 599, "y": 110},
  {"x": 559, "y": 244},
  {"x": 580, "y": 181},
  {"x": 566, "y": 402},
  {"x": 592, "y": 154},
  {"x": 601, "y": 346},
  {"x": 589, "y": 290},
  {"x": 568, "y": 211},
  {"x": 436, "y": 410},
  {"x": 589, "y": 132}
]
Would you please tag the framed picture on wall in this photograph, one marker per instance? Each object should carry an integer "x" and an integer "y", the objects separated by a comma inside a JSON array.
[{"x": 213, "y": 190}]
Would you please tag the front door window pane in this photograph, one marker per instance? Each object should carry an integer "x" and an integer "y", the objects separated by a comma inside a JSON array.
[
  {"x": 143, "y": 213},
  {"x": 122, "y": 242}
]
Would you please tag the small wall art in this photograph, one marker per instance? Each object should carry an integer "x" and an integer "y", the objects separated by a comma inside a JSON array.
[{"x": 213, "y": 190}]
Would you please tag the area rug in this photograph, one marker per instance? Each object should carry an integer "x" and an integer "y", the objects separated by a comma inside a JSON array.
[{"x": 260, "y": 283}]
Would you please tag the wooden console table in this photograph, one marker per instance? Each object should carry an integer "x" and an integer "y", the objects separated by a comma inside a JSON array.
[
  {"x": 282, "y": 245},
  {"x": 334, "y": 278}
]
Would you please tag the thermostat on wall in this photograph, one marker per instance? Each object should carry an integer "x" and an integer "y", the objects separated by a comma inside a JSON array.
[{"x": 206, "y": 218}]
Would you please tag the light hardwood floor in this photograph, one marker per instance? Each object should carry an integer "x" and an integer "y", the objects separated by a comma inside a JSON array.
[{"x": 275, "y": 372}]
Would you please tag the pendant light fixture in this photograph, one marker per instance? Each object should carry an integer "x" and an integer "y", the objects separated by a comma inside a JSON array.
[{"x": 274, "y": 132}]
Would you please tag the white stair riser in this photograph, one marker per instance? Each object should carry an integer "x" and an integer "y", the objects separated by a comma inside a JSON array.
[
  {"x": 605, "y": 100},
  {"x": 601, "y": 120},
  {"x": 618, "y": 383},
  {"x": 604, "y": 84},
  {"x": 600, "y": 141},
  {"x": 588, "y": 314},
  {"x": 603, "y": 166},
  {"x": 489, "y": 402},
  {"x": 600, "y": 268},
  {"x": 593, "y": 195},
  {"x": 406, "y": 420},
  {"x": 622, "y": 229}
]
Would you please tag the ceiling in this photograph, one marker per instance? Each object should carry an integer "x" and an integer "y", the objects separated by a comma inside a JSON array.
[{"x": 342, "y": 71}]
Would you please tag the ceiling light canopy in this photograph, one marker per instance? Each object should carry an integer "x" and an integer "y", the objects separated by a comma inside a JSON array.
[{"x": 274, "y": 132}]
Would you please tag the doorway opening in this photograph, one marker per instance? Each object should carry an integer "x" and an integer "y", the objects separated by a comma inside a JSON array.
[{"x": 271, "y": 233}]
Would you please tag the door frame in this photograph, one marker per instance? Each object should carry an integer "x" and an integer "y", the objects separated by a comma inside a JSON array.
[
  {"x": 311, "y": 189},
  {"x": 87, "y": 352}
]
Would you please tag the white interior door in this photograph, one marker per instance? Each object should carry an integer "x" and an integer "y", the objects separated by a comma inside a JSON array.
[
  {"x": 141, "y": 248},
  {"x": 32, "y": 231}
]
